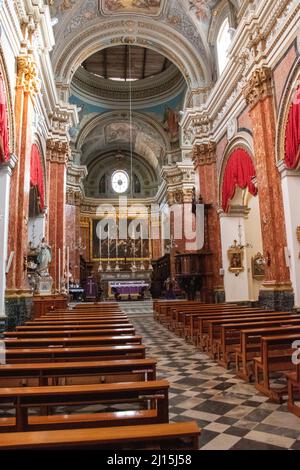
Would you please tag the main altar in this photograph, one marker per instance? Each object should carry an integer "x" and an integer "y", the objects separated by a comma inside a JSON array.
[
  {"x": 126, "y": 285},
  {"x": 124, "y": 265}
]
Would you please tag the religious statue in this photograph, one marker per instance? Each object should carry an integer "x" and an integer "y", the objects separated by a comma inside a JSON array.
[{"x": 44, "y": 258}]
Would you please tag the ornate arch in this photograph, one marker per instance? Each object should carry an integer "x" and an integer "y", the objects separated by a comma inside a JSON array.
[
  {"x": 284, "y": 108},
  {"x": 103, "y": 34},
  {"x": 241, "y": 141}
]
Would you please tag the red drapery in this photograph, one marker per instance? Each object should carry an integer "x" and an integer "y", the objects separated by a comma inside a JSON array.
[
  {"x": 239, "y": 172},
  {"x": 36, "y": 173},
  {"x": 292, "y": 135},
  {"x": 4, "y": 137}
]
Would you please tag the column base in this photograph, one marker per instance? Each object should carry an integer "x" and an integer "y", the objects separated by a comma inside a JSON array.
[
  {"x": 278, "y": 300},
  {"x": 18, "y": 309}
]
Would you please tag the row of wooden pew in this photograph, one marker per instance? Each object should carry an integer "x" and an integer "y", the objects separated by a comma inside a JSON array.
[
  {"x": 257, "y": 342},
  {"x": 79, "y": 379}
]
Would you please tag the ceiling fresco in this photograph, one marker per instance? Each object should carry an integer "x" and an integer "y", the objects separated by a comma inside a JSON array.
[{"x": 149, "y": 7}]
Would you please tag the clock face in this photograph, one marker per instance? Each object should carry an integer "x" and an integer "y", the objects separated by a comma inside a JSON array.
[{"x": 120, "y": 181}]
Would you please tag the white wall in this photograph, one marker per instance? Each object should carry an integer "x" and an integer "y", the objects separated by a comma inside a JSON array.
[
  {"x": 5, "y": 175},
  {"x": 291, "y": 199},
  {"x": 254, "y": 238},
  {"x": 236, "y": 287}
]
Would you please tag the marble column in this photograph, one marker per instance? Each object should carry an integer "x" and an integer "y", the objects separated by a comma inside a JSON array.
[
  {"x": 204, "y": 156},
  {"x": 277, "y": 289},
  {"x": 57, "y": 157},
  {"x": 5, "y": 177},
  {"x": 18, "y": 294}
]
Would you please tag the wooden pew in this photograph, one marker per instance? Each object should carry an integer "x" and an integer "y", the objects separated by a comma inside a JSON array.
[
  {"x": 276, "y": 356},
  {"x": 231, "y": 333},
  {"x": 183, "y": 320},
  {"x": 163, "y": 308},
  {"x": 78, "y": 322},
  {"x": 69, "y": 333},
  {"x": 194, "y": 325},
  {"x": 72, "y": 341},
  {"x": 293, "y": 380},
  {"x": 43, "y": 374},
  {"x": 97, "y": 305},
  {"x": 175, "y": 436},
  {"x": 250, "y": 347},
  {"x": 82, "y": 317},
  {"x": 175, "y": 320},
  {"x": 25, "y": 355},
  {"x": 152, "y": 395},
  {"x": 73, "y": 327},
  {"x": 211, "y": 340}
]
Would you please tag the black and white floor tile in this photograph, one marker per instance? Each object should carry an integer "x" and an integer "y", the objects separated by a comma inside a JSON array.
[{"x": 231, "y": 413}]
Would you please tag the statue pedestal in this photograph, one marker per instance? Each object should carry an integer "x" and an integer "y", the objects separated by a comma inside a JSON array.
[
  {"x": 44, "y": 285},
  {"x": 45, "y": 304}
]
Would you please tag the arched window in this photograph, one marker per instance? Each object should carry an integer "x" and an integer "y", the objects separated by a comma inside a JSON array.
[{"x": 223, "y": 44}]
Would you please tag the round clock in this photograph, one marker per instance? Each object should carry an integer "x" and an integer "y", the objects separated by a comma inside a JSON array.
[{"x": 120, "y": 181}]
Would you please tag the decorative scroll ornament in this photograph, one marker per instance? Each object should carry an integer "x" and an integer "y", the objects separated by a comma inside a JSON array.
[{"x": 27, "y": 74}]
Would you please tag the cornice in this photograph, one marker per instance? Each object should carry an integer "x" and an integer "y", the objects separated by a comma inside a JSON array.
[{"x": 106, "y": 92}]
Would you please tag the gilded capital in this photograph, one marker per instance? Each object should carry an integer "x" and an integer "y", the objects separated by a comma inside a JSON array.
[
  {"x": 204, "y": 154},
  {"x": 259, "y": 86},
  {"x": 27, "y": 74},
  {"x": 57, "y": 151}
]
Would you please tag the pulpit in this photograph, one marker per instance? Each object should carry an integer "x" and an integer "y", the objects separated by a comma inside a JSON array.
[{"x": 194, "y": 275}]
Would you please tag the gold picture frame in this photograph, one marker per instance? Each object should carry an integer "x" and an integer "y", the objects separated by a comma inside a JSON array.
[
  {"x": 236, "y": 259},
  {"x": 258, "y": 267}
]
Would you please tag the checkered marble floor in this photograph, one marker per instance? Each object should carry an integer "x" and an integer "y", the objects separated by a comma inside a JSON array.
[{"x": 231, "y": 413}]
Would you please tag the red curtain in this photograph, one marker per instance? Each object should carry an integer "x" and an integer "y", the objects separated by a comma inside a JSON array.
[
  {"x": 4, "y": 137},
  {"x": 36, "y": 174},
  {"x": 292, "y": 135},
  {"x": 239, "y": 172}
]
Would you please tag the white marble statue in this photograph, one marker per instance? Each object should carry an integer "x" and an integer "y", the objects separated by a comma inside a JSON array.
[{"x": 44, "y": 258}]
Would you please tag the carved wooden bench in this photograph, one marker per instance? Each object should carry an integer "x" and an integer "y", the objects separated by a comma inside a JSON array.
[
  {"x": 151, "y": 395},
  {"x": 43, "y": 374},
  {"x": 230, "y": 335},
  {"x": 175, "y": 436},
  {"x": 250, "y": 347},
  {"x": 276, "y": 356},
  {"x": 25, "y": 355},
  {"x": 69, "y": 333},
  {"x": 71, "y": 341}
]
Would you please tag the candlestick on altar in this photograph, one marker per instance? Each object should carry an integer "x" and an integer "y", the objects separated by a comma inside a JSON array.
[
  {"x": 142, "y": 267},
  {"x": 108, "y": 268},
  {"x": 100, "y": 252},
  {"x": 117, "y": 268}
]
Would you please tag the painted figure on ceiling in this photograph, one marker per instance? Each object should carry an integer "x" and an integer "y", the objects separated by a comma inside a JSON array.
[{"x": 171, "y": 123}]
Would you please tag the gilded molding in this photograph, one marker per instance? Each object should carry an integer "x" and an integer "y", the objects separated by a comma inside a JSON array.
[
  {"x": 27, "y": 74},
  {"x": 259, "y": 86},
  {"x": 204, "y": 154},
  {"x": 57, "y": 152}
]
